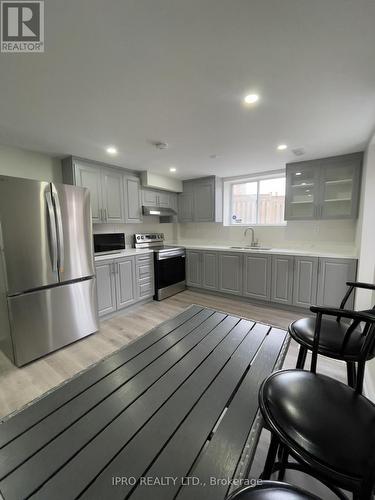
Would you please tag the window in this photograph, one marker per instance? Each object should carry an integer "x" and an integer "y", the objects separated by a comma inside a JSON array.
[{"x": 256, "y": 201}]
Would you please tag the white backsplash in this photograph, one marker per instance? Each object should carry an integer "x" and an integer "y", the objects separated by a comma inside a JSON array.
[{"x": 334, "y": 236}]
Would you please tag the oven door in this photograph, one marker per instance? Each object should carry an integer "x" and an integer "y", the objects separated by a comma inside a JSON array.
[{"x": 169, "y": 275}]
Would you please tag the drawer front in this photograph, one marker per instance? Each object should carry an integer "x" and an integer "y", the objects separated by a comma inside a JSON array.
[
  {"x": 145, "y": 259},
  {"x": 146, "y": 289},
  {"x": 145, "y": 271}
]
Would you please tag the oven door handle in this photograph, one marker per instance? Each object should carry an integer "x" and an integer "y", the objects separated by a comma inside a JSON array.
[{"x": 170, "y": 255}]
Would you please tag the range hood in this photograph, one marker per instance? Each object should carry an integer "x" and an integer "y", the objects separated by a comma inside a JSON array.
[{"x": 160, "y": 211}]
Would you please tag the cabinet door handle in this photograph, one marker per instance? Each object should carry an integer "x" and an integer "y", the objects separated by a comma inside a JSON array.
[{"x": 105, "y": 214}]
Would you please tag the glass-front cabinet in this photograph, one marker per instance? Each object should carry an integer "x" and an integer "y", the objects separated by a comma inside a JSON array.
[
  {"x": 340, "y": 186},
  {"x": 302, "y": 191},
  {"x": 323, "y": 189}
]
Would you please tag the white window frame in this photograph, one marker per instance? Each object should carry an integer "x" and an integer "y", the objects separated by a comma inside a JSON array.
[{"x": 227, "y": 196}]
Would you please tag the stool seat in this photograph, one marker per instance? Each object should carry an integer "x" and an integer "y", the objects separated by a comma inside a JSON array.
[
  {"x": 324, "y": 423},
  {"x": 331, "y": 339},
  {"x": 272, "y": 490}
]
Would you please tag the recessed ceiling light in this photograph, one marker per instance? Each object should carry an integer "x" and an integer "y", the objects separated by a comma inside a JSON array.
[
  {"x": 111, "y": 150},
  {"x": 281, "y": 147},
  {"x": 172, "y": 169},
  {"x": 251, "y": 98},
  {"x": 298, "y": 173}
]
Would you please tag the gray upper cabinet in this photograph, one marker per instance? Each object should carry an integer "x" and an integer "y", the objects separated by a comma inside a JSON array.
[
  {"x": 333, "y": 275},
  {"x": 106, "y": 287},
  {"x": 113, "y": 199},
  {"x": 133, "y": 202},
  {"x": 113, "y": 195},
  {"x": 162, "y": 199},
  {"x": 230, "y": 273},
  {"x": 340, "y": 187},
  {"x": 323, "y": 189},
  {"x": 173, "y": 201},
  {"x": 257, "y": 276},
  {"x": 194, "y": 268},
  {"x": 302, "y": 191},
  {"x": 282, "y": 279},
  {"x": 150, "y": 198},
  {"x": 125, "y": 282},
  {"x": 305, "y": 281},
  {"x": 204, "y": 201},
  {"x": 185, "y": 207},
  {"x": 210, "y": 271},
  {"x": 90, "y": 177},
  {"x": 201, "y": 200}
]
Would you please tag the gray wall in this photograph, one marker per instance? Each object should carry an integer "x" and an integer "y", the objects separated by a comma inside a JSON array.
[{"x": 28, "y": 164}]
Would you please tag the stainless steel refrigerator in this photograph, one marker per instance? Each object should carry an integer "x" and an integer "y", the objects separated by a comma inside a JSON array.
[{"x": 47, "y": 278}]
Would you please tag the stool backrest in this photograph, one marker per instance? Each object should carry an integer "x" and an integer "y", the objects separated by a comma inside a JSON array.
[{"x": 356, "y": 318}]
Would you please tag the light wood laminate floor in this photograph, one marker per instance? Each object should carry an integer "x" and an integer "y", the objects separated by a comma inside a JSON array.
[{"x": 19, "y": 386}]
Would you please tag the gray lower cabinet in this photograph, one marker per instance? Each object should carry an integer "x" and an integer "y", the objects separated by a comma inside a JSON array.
[
  {"x": 285, "y": 279},
  {"x": 145, "y": 275},
  {"x": 123, "y": 282},
  {"x": 126, "y": 290},
  {"x": 305, "y": 281},
  {"x": 194, "y": 268},
  {"x": 257, "y": 276},
  {"x": 282, "y": 279},
  {"x": 106, "y": 287},
  {"x": 333, "y": 275},
  {"x": 210, "y": 271},
  {"x": 230, "y": 273}
]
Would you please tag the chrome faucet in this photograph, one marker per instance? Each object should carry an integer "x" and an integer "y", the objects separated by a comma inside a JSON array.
[{"x": 254, "y": 243}]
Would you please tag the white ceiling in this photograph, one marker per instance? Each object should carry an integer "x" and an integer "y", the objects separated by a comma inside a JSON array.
[{"x": 130, "y": 72}]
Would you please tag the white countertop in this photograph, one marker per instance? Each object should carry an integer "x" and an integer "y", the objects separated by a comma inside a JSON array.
[
  {"x": 278, "y": 251},
  {"x": 124, "y": 253}
]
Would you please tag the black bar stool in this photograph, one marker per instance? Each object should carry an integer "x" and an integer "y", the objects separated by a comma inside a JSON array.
[
  {"x": 326, "y": 426},
  {"x": 272, "y": 490},
  {"x": 336, "y": 340}
]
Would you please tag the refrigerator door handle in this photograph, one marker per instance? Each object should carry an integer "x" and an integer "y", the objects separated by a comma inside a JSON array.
[
  {"x": 60, "y": 233},
  {"x": 52, "y": 230}
]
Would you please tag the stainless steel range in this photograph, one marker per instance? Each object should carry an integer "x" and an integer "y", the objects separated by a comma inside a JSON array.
[{"x": 169, "y": 264}]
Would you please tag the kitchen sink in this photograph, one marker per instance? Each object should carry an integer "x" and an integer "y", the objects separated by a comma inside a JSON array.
[{"x": 252, "y": 248}]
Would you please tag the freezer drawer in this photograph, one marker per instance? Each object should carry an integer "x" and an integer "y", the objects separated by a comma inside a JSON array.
[{"x": 48, "y": 319}]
